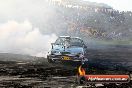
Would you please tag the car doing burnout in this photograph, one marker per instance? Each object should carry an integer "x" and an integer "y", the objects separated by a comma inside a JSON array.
[{"x": 67, "y": 48}]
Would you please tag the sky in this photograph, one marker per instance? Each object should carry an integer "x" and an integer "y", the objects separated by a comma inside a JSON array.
[{"x": 122, "y": 5}]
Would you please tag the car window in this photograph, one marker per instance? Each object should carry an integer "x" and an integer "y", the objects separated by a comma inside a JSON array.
[
  {"x": 59, "y": 41},
  {"x": 76, "y": 42},
  {"x": 69, "y": 42}
]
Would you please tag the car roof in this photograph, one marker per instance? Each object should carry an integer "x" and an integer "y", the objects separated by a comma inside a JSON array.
[
  {"x": 64, "y": 36},
  {"x": 68, "y": 37},
  {"x": 76, "y": 37}
]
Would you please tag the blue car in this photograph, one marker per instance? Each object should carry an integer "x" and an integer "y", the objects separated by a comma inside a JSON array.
[{"x": 67, "y": 48}]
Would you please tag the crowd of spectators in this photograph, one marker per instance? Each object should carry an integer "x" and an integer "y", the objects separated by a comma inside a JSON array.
[{"x": 93, "y": 20}]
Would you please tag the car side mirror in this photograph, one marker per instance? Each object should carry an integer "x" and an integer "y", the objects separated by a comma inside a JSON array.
[
  {"x": 84, "y": 46},
  {"x": 52, "y": 44}
]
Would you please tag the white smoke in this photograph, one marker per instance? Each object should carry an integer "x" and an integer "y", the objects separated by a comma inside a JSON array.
[{"x": 22, "y": 38}]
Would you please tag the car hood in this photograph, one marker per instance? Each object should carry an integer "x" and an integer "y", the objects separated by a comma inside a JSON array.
[
  {"x": 72, "y": 50},
  {"x": 75, "y": 50}
]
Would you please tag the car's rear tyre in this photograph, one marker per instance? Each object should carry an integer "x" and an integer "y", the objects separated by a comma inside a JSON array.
[{"x": 50, "y": 60}]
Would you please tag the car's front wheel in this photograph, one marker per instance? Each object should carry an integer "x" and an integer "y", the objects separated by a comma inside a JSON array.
[{"x": 50, "y": 60}]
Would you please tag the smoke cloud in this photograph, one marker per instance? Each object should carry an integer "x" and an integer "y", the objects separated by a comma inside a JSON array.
[{"x": 23, "y": 38}]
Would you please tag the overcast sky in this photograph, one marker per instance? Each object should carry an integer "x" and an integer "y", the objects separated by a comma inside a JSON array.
[{"x": 122, "y": 5}]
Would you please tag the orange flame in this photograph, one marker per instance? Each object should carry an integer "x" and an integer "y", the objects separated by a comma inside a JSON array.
[{"x": 81, "y": 71}]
